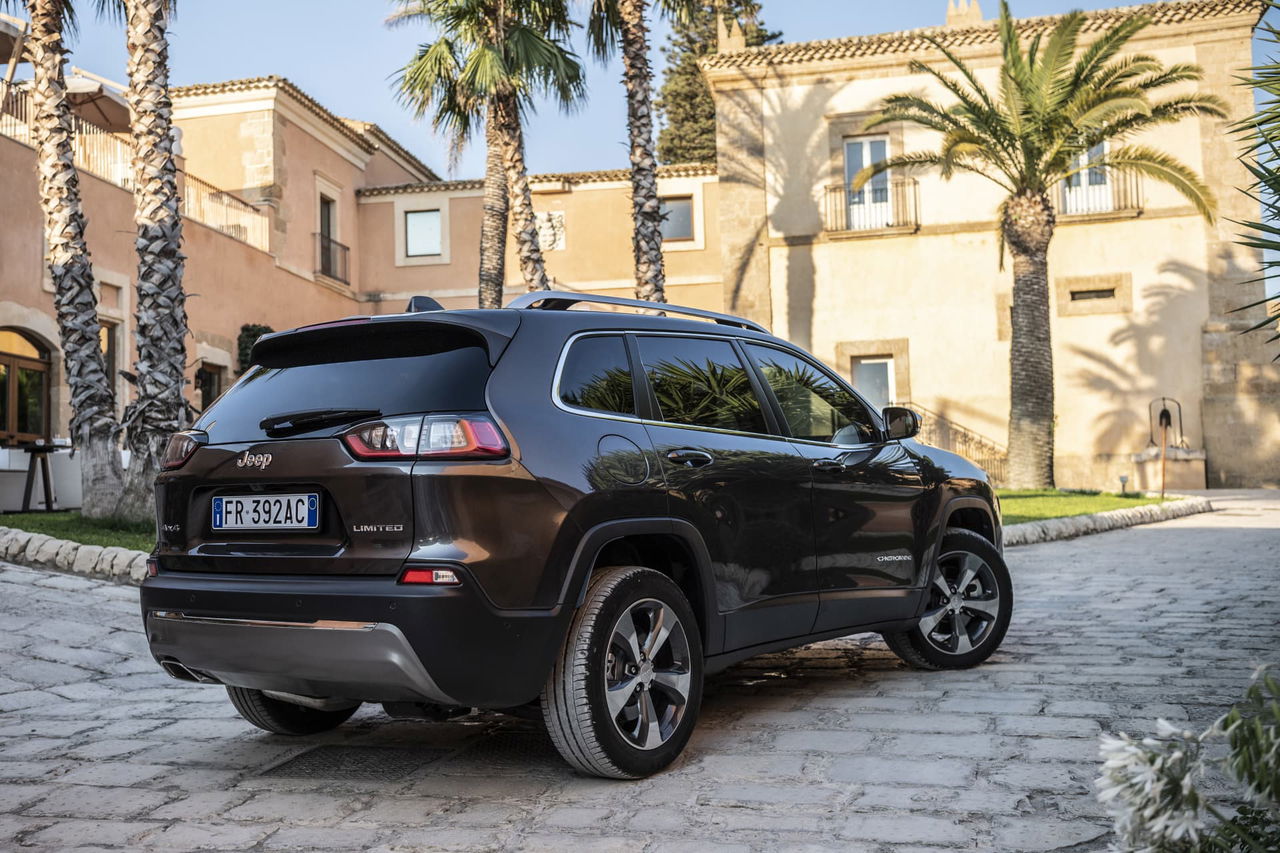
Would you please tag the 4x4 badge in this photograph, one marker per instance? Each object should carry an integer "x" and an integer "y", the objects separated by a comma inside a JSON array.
[{"x": 253, "y": 460}]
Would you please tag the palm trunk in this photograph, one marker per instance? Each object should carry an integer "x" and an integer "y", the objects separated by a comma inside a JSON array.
[
  {"x": 93, "y": 425},
  {"x": 512, "y": 136},
  {"x": 161, "y": 407},
  {"x": 493, "y": 228},
  {"x": 1028, "y": 228},
  {"x": 646, "y": 208}
]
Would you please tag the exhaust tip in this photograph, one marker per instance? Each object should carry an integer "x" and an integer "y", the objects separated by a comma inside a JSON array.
[{"x": 183, "y": 673}]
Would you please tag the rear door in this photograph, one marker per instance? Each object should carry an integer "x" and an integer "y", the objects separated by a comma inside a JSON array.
[
  {"x": 267, "y": 494},
  {"x": 866, "y": 493},
  {"x": 744, "y": 488}
]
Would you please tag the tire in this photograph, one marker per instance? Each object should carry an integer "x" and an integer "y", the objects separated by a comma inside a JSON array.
[
  {"x": 960, "y": 628},
  {"x": 656, "y": 696},
  {"x": 285, "y": 718}
]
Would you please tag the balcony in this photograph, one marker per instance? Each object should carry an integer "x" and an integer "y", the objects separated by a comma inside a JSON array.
[
  {"x": 1099, "y": 194},
  {"x": 891, "y": 206},
  {"x": 331, "y": 259},
  {"x": 110, "y": 157}
]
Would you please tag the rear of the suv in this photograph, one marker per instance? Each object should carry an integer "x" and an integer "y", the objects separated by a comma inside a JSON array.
[
  {"x": 319, "y": 524},
  {"x": 573, "y": 514}
]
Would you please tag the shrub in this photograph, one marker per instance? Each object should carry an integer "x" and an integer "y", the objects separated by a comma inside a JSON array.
[{"x": 1151, "y": 786}]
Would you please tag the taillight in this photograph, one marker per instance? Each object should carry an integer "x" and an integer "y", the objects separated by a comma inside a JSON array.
[
  {"x": 180, "y": 447},
  {"x": 432, "y": 437}
]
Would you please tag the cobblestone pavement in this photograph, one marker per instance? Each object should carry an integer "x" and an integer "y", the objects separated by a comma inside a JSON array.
[{"x": 833, "y": 746}]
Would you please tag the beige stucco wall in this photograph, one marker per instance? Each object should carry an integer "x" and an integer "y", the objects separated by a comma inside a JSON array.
[{"x": 936, "y": 292}]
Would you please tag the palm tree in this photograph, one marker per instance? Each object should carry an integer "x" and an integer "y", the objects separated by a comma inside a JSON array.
[
  {"x": 93, "y": 424},
  {"x": 622, "y": 22},
  {"x": 1262, "y": 159},
  {"x": 160, "y": 408},
  {"x": 1059, "y": 111},
  {"x": 490, "y": 58}
]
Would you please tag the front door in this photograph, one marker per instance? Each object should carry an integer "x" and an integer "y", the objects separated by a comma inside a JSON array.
[
  {"x": 866, "y": 525},
  {"x": 744, "y": 489}
]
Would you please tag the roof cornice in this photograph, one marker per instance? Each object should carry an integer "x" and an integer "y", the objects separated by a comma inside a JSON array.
[
  {"x": 679, "y": 170},
  {"x": 918, "y": 41}
]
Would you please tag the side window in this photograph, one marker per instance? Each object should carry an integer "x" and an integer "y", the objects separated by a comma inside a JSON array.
[
  {"x": 597, "y": 375},
  {"x": 701, "y": 382},
  {"x": 815, "y": 406}
]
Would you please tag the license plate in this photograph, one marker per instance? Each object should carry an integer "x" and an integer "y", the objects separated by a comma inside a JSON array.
[{"x": 267, "y": 512}]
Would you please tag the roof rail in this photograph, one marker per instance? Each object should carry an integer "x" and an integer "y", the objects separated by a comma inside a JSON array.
[{"x": 558, "y": 300}]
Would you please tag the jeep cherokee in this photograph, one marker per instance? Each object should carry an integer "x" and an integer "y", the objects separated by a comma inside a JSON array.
[{"x": 571, "y": 513}]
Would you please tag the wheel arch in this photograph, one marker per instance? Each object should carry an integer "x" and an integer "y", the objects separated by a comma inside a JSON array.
[
  {"x": 671, "y": 546},
  {"x": 972, "y": 513}
]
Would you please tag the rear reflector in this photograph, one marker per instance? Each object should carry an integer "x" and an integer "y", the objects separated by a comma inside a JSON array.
[
  {"x": 444, "y": 577},
  {"x": 153, "y": 567}
]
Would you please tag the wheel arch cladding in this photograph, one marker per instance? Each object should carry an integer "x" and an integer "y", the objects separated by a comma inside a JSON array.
[{"x": 672, "y": 547}]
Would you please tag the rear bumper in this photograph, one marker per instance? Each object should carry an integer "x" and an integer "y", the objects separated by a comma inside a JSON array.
[
  {"x": 351, "y": 660},
  {"x": 367, "y": 639}
]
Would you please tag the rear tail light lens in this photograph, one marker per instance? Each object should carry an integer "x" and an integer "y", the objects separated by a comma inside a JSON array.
[
  {"x": 441, "y": 577},
  {"x": 180, "y": 447},
  {"x": 432, "y": 437}
]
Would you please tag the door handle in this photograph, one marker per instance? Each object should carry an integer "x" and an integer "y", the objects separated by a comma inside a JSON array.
[
  {"x": 828, "y": 466},
  {"x": 690, "y": 458}
]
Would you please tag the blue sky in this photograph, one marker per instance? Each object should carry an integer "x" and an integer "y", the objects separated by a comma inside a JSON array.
[{"x": 340, "y": 52}]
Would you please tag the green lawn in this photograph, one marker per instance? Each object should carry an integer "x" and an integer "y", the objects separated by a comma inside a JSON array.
[
  {"x": 87, "y": 531},
  {"x": 1037, "y": 505}
]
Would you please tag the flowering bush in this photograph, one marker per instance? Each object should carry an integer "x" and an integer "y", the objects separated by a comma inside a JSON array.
[{"x": 1150, "y": 785}]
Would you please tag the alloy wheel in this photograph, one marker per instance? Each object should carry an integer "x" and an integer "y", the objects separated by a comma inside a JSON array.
[
  {"x": 647, "y": 674},
  {"x": 964, "y": 604}
]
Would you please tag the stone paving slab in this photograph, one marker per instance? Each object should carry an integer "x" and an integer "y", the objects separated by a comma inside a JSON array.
[{"x": 836, "y": 746}]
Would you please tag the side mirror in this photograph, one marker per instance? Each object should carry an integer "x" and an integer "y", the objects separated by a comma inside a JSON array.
[{"x": 900, "y": 422}]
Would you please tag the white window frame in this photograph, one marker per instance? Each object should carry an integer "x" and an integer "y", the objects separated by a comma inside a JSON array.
[
  {"x": 404, "y": 223},
  {"x": 862, "y": 212},
  {"x": 1085, "y": 196},
  {"x": 890, "y": 367}
]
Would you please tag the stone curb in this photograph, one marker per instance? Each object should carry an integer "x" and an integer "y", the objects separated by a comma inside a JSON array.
[
  {"x": 1052, "y": 529},
  {"x": 45, "y": 552}
]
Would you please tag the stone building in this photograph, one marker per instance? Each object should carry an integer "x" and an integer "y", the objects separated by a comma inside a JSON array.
[{"x": 900, "y": 287}]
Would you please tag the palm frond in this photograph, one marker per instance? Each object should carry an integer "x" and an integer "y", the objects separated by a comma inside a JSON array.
[{"x": 1166, "y": 169}]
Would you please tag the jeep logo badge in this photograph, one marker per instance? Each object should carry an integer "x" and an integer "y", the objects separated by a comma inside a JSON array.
[{"x": 253, "y": 460}]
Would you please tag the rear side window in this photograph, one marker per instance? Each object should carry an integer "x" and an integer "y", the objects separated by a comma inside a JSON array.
[
  {"x": 701, "y": 382},
  {"x": 442, "y": 377},
  {"x": 815, "y": 406},
  {"x": 597, "y": 376}
]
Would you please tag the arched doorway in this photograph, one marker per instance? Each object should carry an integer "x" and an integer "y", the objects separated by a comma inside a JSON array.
[{"x": 24, "y": 388}]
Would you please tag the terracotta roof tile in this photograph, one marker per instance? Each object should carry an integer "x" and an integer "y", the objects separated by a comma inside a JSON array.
[{"x": 913, "y": 41}]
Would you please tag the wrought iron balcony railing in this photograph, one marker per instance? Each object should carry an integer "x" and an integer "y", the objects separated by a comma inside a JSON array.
[
  {"x": 110, "y": 157},
  {"x": 331, "y": 259},
  {"x": 1098, "y": 192},
  {"x": 888, "y": 205}
]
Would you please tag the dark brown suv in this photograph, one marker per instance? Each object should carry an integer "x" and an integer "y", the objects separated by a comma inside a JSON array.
[{"x": 582, "y": 512}]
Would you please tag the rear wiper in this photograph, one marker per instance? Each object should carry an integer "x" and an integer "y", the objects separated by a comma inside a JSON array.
[{"x": 310, "y": 418}]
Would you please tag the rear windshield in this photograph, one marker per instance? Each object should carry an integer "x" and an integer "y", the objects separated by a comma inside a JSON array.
[{"x": 451, "y": 379}]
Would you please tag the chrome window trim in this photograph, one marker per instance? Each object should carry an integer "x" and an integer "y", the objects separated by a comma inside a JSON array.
[{"x": 609, "y": 416}]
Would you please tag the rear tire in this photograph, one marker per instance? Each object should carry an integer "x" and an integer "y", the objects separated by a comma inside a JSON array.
[
  {"x": 623, "y": 696},
  {"x": 970, "y": 602},
  {"x": 285, "y": 718}
]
